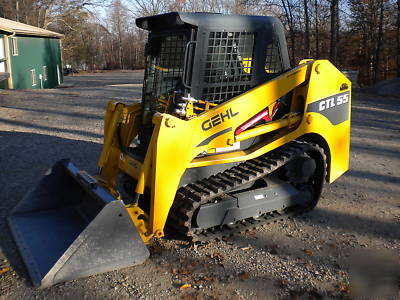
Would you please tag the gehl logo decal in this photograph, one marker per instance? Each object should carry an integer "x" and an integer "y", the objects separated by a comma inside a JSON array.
[{"x": 218, "y": 119}]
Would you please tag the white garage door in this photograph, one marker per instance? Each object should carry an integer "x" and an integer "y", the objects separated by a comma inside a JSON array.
[{"x": 2, "y": 56}]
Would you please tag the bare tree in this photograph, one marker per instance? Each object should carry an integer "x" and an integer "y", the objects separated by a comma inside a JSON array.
[
  {"x": 379, "y": 42},
  {"x": 148, "y": 7},
  {"x": 307, "y": 30},
  {"x": 288, "y": 7},
  {"x": 316, "y": 30},
  {"x": 334, "y": 29},
  {"x": 118, "y": 20},
  {"x": 398, "y": 38}
]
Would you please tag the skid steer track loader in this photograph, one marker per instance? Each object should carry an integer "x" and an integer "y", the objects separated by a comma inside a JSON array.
[{"x": 228, "y": 137}]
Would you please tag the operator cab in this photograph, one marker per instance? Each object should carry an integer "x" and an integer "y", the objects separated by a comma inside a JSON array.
[{"x": 207, "y": 59}]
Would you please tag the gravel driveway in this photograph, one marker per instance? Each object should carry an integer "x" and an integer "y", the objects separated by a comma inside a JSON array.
[{"x": 307, "y": 257}]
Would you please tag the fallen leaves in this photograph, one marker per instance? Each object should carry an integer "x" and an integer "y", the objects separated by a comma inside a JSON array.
[
  {"x": 187, "y": 275},
  {"x": 207, "y": 279},
  {"x": 282, "y": 282},
  {"x": 251, "y": 233},
  {"x": 272, "y": 249},
  {"x": 216, "y": 256},
  {"x": 308, "y": 252},
  {"x": 187, "y": 268},
  {"x": 156, "y": 250},
  {"x": 4, "y": 270},
  {"x": 228, "y": 240},
  {"x": 245, "y": 248},
  {"x": 192, "y": 296},
  {"x": 244, "y": 276},
  {"x": 343, "y": 288},
  {"x": 192, "y": 265},
  {"x": 185, "y": 286},
  {"x": 174, "y": 271},
  {"x": 331, "y": 245}
]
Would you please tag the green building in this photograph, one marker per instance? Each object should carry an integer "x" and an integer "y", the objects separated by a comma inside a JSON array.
[{"x": 30, "y": 57}]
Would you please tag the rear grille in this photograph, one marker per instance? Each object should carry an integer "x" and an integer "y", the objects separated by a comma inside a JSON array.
[{"x": 229, "y": 65}]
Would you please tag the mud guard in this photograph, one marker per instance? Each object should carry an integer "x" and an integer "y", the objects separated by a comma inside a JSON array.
[{"x": 70, "y": 227}]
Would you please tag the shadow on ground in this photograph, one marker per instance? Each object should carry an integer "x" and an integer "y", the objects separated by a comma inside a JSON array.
[{"x": 106, "y": 78}]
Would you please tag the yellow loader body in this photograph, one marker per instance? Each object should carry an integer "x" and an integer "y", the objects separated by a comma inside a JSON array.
[{"x": 176, "y": 143}]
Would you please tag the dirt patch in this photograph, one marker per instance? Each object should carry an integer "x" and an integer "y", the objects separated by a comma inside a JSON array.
[{"x": 307, "y": 257}]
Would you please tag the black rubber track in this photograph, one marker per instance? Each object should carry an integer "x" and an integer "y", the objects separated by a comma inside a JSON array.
[{"x": 190, "y": 197}]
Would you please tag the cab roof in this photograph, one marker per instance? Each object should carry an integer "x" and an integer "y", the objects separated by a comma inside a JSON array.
[{"x": 206, "y": 20}]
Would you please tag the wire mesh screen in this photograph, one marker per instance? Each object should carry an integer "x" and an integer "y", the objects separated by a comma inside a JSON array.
[
  {"x": 164, "y": 66},
  {"x": 273, "y": 59},
  {"x": 229, "y": 65}
]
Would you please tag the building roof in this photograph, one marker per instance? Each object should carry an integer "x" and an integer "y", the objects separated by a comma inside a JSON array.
[{"x": 25, "y": 29}]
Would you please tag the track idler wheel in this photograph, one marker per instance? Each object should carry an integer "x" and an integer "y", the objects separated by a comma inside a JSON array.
[
  {"x": 300, "y": 169},
  {"x": 307, "y": 173}
]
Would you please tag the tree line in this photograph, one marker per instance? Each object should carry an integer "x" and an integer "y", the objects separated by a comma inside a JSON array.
[{"x": 362, "y": 35}]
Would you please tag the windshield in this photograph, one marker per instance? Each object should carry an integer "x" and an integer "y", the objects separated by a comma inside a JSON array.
[{"x": 164, "y": 67}]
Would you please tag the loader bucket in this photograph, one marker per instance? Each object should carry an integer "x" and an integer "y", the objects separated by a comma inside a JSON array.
[{"x": 69, "y": 227}]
